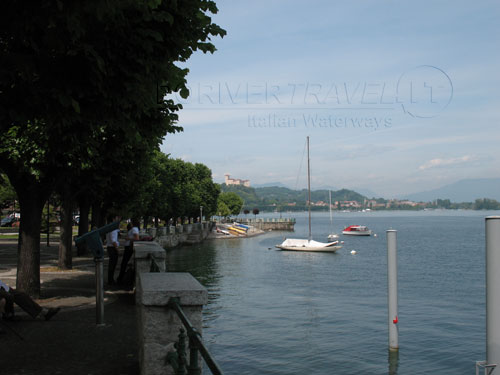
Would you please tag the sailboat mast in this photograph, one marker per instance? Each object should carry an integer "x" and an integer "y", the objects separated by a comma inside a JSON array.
[
  {"x": 309, "y": 188},
  {"x": 330, "y": 207}
]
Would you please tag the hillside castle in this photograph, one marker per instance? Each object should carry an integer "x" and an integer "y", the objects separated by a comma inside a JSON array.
[{"x": 234, "y": 181}]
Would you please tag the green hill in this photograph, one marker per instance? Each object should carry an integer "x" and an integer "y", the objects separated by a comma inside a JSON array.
[{"x": 274, "y": 197}]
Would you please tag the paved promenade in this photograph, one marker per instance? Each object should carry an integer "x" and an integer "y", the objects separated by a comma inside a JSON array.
[{"x": 70, "y": 343}]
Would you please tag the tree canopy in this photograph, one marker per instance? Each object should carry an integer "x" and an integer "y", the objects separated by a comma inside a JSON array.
[
  {"x": 232, "y": 201},
  {"x": 82, "y": 97}
]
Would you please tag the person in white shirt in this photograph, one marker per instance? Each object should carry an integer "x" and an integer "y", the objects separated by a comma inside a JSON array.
[
  {"x": 112, "y": 249},
  {"x": 132, "y": 236}
]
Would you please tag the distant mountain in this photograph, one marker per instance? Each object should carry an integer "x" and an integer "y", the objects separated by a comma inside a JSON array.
[
  {"x": 324, "y": 187},
  {"x": 269, "y": 184},
  {"x": 366, "y": 192},
  {"x": 467, "y": 190}
]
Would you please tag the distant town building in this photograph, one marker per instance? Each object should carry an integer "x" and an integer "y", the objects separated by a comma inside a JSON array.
[{"x": 235, "y": 181}]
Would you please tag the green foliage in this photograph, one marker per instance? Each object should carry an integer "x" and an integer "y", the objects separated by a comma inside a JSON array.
[
  {"x": 233, "y": 202},
  {"x": 7, "y": 192},
  {"x": 176, "y": 188},
  {"x": 486, "y": 204},
  {"x": 279, "y": 197},
  {"x": 222, "y": 209},
  {"x": 83, "y": 98}
]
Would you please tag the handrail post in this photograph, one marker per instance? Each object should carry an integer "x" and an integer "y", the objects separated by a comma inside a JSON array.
[{"x": 194, "y": 368}]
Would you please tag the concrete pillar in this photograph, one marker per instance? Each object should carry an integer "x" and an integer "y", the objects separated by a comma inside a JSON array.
[
  {"x": 162, "y": 231},
  {"x": 493, "y": 291},
  {"x": 142, "y": 258},
  {"x": 392, "y": 289},
  {"x": 152, "y": 232},
  {"x": 158, "y": 324}
]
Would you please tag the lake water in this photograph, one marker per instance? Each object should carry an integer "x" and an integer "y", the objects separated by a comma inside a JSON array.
[{"x": 276, "y": 312}]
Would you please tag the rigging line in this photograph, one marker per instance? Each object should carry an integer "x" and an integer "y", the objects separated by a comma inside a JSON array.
[{"x": 300, "y": 166}]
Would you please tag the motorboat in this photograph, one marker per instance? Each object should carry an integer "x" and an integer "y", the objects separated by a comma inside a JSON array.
[{"x": 357, "y": 230}]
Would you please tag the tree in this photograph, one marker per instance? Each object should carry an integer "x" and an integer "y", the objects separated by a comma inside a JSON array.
[
  {"x": 177, "y": 188},
  {"x": 222, "y": 209},
  {"x": 233, "y": 201},
  {"x": 7, "y": 192},
  {"x": 255, "y": 211},
  {"x": 75, "y": 74}
]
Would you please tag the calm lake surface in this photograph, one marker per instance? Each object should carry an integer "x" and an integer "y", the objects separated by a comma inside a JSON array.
[{"x": 277, "y": 312}]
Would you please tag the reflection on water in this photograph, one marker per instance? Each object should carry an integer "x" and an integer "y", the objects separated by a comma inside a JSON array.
[
  {"x": 273, "y": 312},
  {"x": 393, "y": 359}
]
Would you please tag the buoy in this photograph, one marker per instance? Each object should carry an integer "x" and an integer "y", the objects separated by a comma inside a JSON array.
[
  {"x": 375, "y": 235},
  {"x": 353, "y": 252},
  {"x": 395, "y": 321}
]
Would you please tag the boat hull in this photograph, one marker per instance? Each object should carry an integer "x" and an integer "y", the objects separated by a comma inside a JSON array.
[
  {"x": 328, "y": 249},
  {"x": 353, "y": 233},
  {"x": 292, "y": 244}
]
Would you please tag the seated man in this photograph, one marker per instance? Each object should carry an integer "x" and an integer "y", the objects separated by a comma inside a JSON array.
[{"x": 24, "y": 301}]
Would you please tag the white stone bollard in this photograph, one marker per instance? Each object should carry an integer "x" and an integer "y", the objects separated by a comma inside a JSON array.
[
  {"x": 493, "y": 291},
  {"x": 158, "y": 324}
]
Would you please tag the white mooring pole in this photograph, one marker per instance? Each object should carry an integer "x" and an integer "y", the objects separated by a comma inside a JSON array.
[
  {"x": 493, "y": 291},
  {"x": 392, "y": 289}
]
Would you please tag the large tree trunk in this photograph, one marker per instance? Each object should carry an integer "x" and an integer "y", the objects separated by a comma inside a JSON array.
[
  {"x": 66, "y": 237},
  {"x": 31, "y": 201},
  {"x": 83, "y": 224}
]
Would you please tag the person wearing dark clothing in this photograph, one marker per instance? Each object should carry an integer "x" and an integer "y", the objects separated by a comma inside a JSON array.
[
  {"x": 132, "y": 236},
  {"x": 24, "y": 301},
  {"x": 112, "y": 249}
]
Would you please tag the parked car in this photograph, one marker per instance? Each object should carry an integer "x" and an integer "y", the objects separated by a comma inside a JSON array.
[{"x": 9, "y": 221}]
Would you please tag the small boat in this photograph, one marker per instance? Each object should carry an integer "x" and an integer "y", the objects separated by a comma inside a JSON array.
[
  {"x": 293, "y": 244},
  {"x": 236, "y": 230},
  {"x": 241, "y": 226},
  {"x": 357, "y": 230}
]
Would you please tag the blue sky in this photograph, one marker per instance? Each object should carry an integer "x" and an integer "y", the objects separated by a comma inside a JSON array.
[{"x": 397, "y": 97}]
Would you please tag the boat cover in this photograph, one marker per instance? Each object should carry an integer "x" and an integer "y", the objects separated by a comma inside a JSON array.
[{"x": 293, "y": 242}]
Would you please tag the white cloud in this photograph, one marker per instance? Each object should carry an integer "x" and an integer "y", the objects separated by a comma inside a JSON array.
[{"x": 438, "y": 163}]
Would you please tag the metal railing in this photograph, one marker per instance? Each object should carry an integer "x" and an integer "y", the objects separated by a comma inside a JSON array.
[
  {"x": 488, "y": 368},
  {"x": 178, "y": 359}
]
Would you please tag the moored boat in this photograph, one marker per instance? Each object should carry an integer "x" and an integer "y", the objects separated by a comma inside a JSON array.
[
  {"x": 357, "y": 230},
  {"x": 294, "y": 244}
]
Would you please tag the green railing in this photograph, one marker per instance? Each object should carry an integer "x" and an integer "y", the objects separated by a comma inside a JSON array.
[{"x": 178, "y": 359}]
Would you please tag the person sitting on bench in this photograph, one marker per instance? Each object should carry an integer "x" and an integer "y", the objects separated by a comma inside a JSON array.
[{"x": 24, "y": 301}]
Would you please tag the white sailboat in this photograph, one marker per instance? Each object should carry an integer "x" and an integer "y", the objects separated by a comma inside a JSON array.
[
  {"x": 294, "y": 244},
  {"x": 331, "y": 236}
]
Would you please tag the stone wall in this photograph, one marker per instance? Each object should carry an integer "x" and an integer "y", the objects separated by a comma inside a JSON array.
[
  {"x": 181, "y": 234},
  {"x": 158, "y": 323}
]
